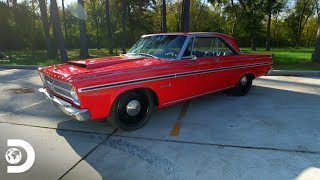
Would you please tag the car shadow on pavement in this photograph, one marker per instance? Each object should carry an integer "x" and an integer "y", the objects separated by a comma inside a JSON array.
[{"x": 289, "y": 119}]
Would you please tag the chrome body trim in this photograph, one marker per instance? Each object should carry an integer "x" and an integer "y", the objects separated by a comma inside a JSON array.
[
  {"x": 190, "y": 73},
  {"x": 78, "y": 114},
  {"x": 269, "y": 72}
]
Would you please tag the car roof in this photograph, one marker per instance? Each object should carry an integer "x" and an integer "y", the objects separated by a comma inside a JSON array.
[
  {"x": 189, "y": 33},
  {"x": 226, "y": 37}
]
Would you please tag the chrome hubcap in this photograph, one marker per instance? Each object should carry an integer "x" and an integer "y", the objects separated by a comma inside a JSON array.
[
  {"x": 133, "y": 107},
  {"x": 243, "y": 80}
]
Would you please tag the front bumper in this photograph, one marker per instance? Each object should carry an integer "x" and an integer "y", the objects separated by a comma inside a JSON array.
[
  {"x": 78, "y": 114},
  {"x": 269, "y": 72}
]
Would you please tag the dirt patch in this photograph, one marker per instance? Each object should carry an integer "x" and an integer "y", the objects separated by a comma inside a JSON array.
[{"x": 21, "y": 90}]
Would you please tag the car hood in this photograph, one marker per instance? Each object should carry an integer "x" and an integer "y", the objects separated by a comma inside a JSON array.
[{"x": 75, "y": 70}]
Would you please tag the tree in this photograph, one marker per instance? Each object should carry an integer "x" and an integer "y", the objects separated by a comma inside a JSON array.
[
  {"x": 94, "y": 17},
  {"x": 316, "y": 54},
  {"x": 109, "y": 30},
  {"x": 51, "y": 51},
  {"x": 83, "y": 34},
  {"x": 269, "y": 25},
  {"x": 185, "y": 16},
  {"x": 123, "y": 20},
  {"x": 252, "y": 10},
  {"x": 56, "y": 26},
  {"x": 304, "y": 9},
  {"x": 164, "y": 16},
  {"x": 64, "y": 21}
]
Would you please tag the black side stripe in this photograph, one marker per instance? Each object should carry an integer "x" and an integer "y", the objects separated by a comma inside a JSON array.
[{"x": 90, "y": 88}]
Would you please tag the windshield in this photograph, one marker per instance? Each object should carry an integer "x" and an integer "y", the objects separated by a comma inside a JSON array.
[{"x": 158, "y": 46}]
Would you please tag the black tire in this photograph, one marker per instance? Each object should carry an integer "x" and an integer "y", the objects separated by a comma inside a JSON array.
[
  {"x": 240, "y": 89},
  {"x": 120, "y": 117}
]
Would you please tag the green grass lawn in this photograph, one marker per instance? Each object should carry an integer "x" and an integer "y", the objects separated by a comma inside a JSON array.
[
  {"x": 289, "y": 58},
  {"x": 39, "y": 57},
  {"x": 284, "y": 58}
]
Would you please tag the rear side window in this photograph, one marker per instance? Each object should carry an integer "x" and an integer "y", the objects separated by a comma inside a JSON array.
[
  {"x": 203, "y": 46},
  {"x": 222, "y": 49},
  {"x": 210, "y": 46}
]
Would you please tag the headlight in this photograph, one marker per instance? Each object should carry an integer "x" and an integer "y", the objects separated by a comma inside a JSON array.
[{"x": 74, "y": 95}]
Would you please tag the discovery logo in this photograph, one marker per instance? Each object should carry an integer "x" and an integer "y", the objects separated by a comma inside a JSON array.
[{"x": 14, "y": 156}]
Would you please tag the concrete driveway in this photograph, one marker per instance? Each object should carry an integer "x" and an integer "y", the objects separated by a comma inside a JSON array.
[{"x": 273, "y": 133}]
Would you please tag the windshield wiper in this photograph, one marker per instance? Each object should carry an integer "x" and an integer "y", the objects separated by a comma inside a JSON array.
[{"x": 144, "y": 54}]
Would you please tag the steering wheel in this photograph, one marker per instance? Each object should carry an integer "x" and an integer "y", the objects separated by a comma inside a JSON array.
[{"x": 172, "y": 53}]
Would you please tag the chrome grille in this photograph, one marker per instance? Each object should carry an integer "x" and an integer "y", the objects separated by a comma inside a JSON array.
[{"x": 58, "y": 86}]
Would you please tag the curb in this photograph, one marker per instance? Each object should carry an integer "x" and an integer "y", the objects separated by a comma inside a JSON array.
[
  {"x": 32, "y": 67},
  {"x": 294, "y": 73}
]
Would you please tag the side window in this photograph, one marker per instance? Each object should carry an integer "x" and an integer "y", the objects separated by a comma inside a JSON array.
[
  {"x": 204, "y": 46},
  {"x": 221, "y": 49}
]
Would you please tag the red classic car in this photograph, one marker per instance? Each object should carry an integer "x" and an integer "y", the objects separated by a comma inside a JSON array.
[{"x": 159, "y": 70}]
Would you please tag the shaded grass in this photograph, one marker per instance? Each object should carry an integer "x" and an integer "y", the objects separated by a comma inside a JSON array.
[
  {"x": 284, "y": 58},
  {"x": 289, "y": 58},
  {"x": 39, "y": 57}
]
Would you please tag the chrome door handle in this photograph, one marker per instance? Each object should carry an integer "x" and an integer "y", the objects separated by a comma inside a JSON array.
[{"x": 216, "y": 59}]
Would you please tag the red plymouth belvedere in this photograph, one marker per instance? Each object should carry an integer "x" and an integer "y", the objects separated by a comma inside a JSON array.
[{"x": 158, "y": 71}]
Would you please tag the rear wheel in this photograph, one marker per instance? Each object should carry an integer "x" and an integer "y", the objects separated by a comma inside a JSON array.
[
  {"x": 131, "y": 110},
  {"x": 243, "y": 87}
]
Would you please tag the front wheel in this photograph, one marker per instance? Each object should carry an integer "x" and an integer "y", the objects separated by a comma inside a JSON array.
[
  {"x": 243, "y": 87},
  {"x": 131, "y": 110}
]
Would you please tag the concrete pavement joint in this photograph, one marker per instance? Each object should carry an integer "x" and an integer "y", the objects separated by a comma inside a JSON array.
[
  {"x": 223, "y": 145},
  {"x": 15, "y": 80},
  {"x": 90, "y": 152},
  {"x": 52, "y": 128},
  {"x": 174, "y": 141},
  {"x": 25, "y": 107}
]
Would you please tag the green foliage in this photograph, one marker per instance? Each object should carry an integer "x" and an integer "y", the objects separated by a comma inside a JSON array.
[
  {"x": 289, "y": 58},
  {"x": 293, "y": 23}
]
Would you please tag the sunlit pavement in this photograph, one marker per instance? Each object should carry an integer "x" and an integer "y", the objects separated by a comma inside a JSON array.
[{"x": 273, "y": 133}]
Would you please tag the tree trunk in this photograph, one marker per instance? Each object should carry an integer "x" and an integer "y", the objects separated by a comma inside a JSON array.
[
  {"x": 185, "y": 17},
  {"x": 275, "y": 31},
  {"x": 300, "y": 27},
  {"x": 64, "y": 22},
  {"x": 235, "y": 19},
  {"x": 14, "y": 3},
  {"x": 109, "y": 29},
  {"x": 164, "y": 16},
  {"x": 234, "y": 24},
  {"x": 97, "y": 35},
  {"x": 33, "y": 27},
  {"x": 253, "y": 38},
  {"x": 83, "y": 35},
  {"x": 56, "y": 26},
  {"x": 51, "y": 51},
  {"x": 8, "y": 4},
  {"x": 316, "y": 54},
  {"x": 96, "y": 22},
  {"x": 269, "y": 25},
  {"x": 123, "y": 33}
]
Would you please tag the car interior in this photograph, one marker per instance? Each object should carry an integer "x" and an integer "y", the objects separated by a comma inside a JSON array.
[{"x": 207, "y": 47}]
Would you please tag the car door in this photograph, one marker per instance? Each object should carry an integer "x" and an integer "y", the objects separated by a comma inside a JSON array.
[
  {"x": 195, "y": 72},
  {"x": 228, "y": 60}
]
